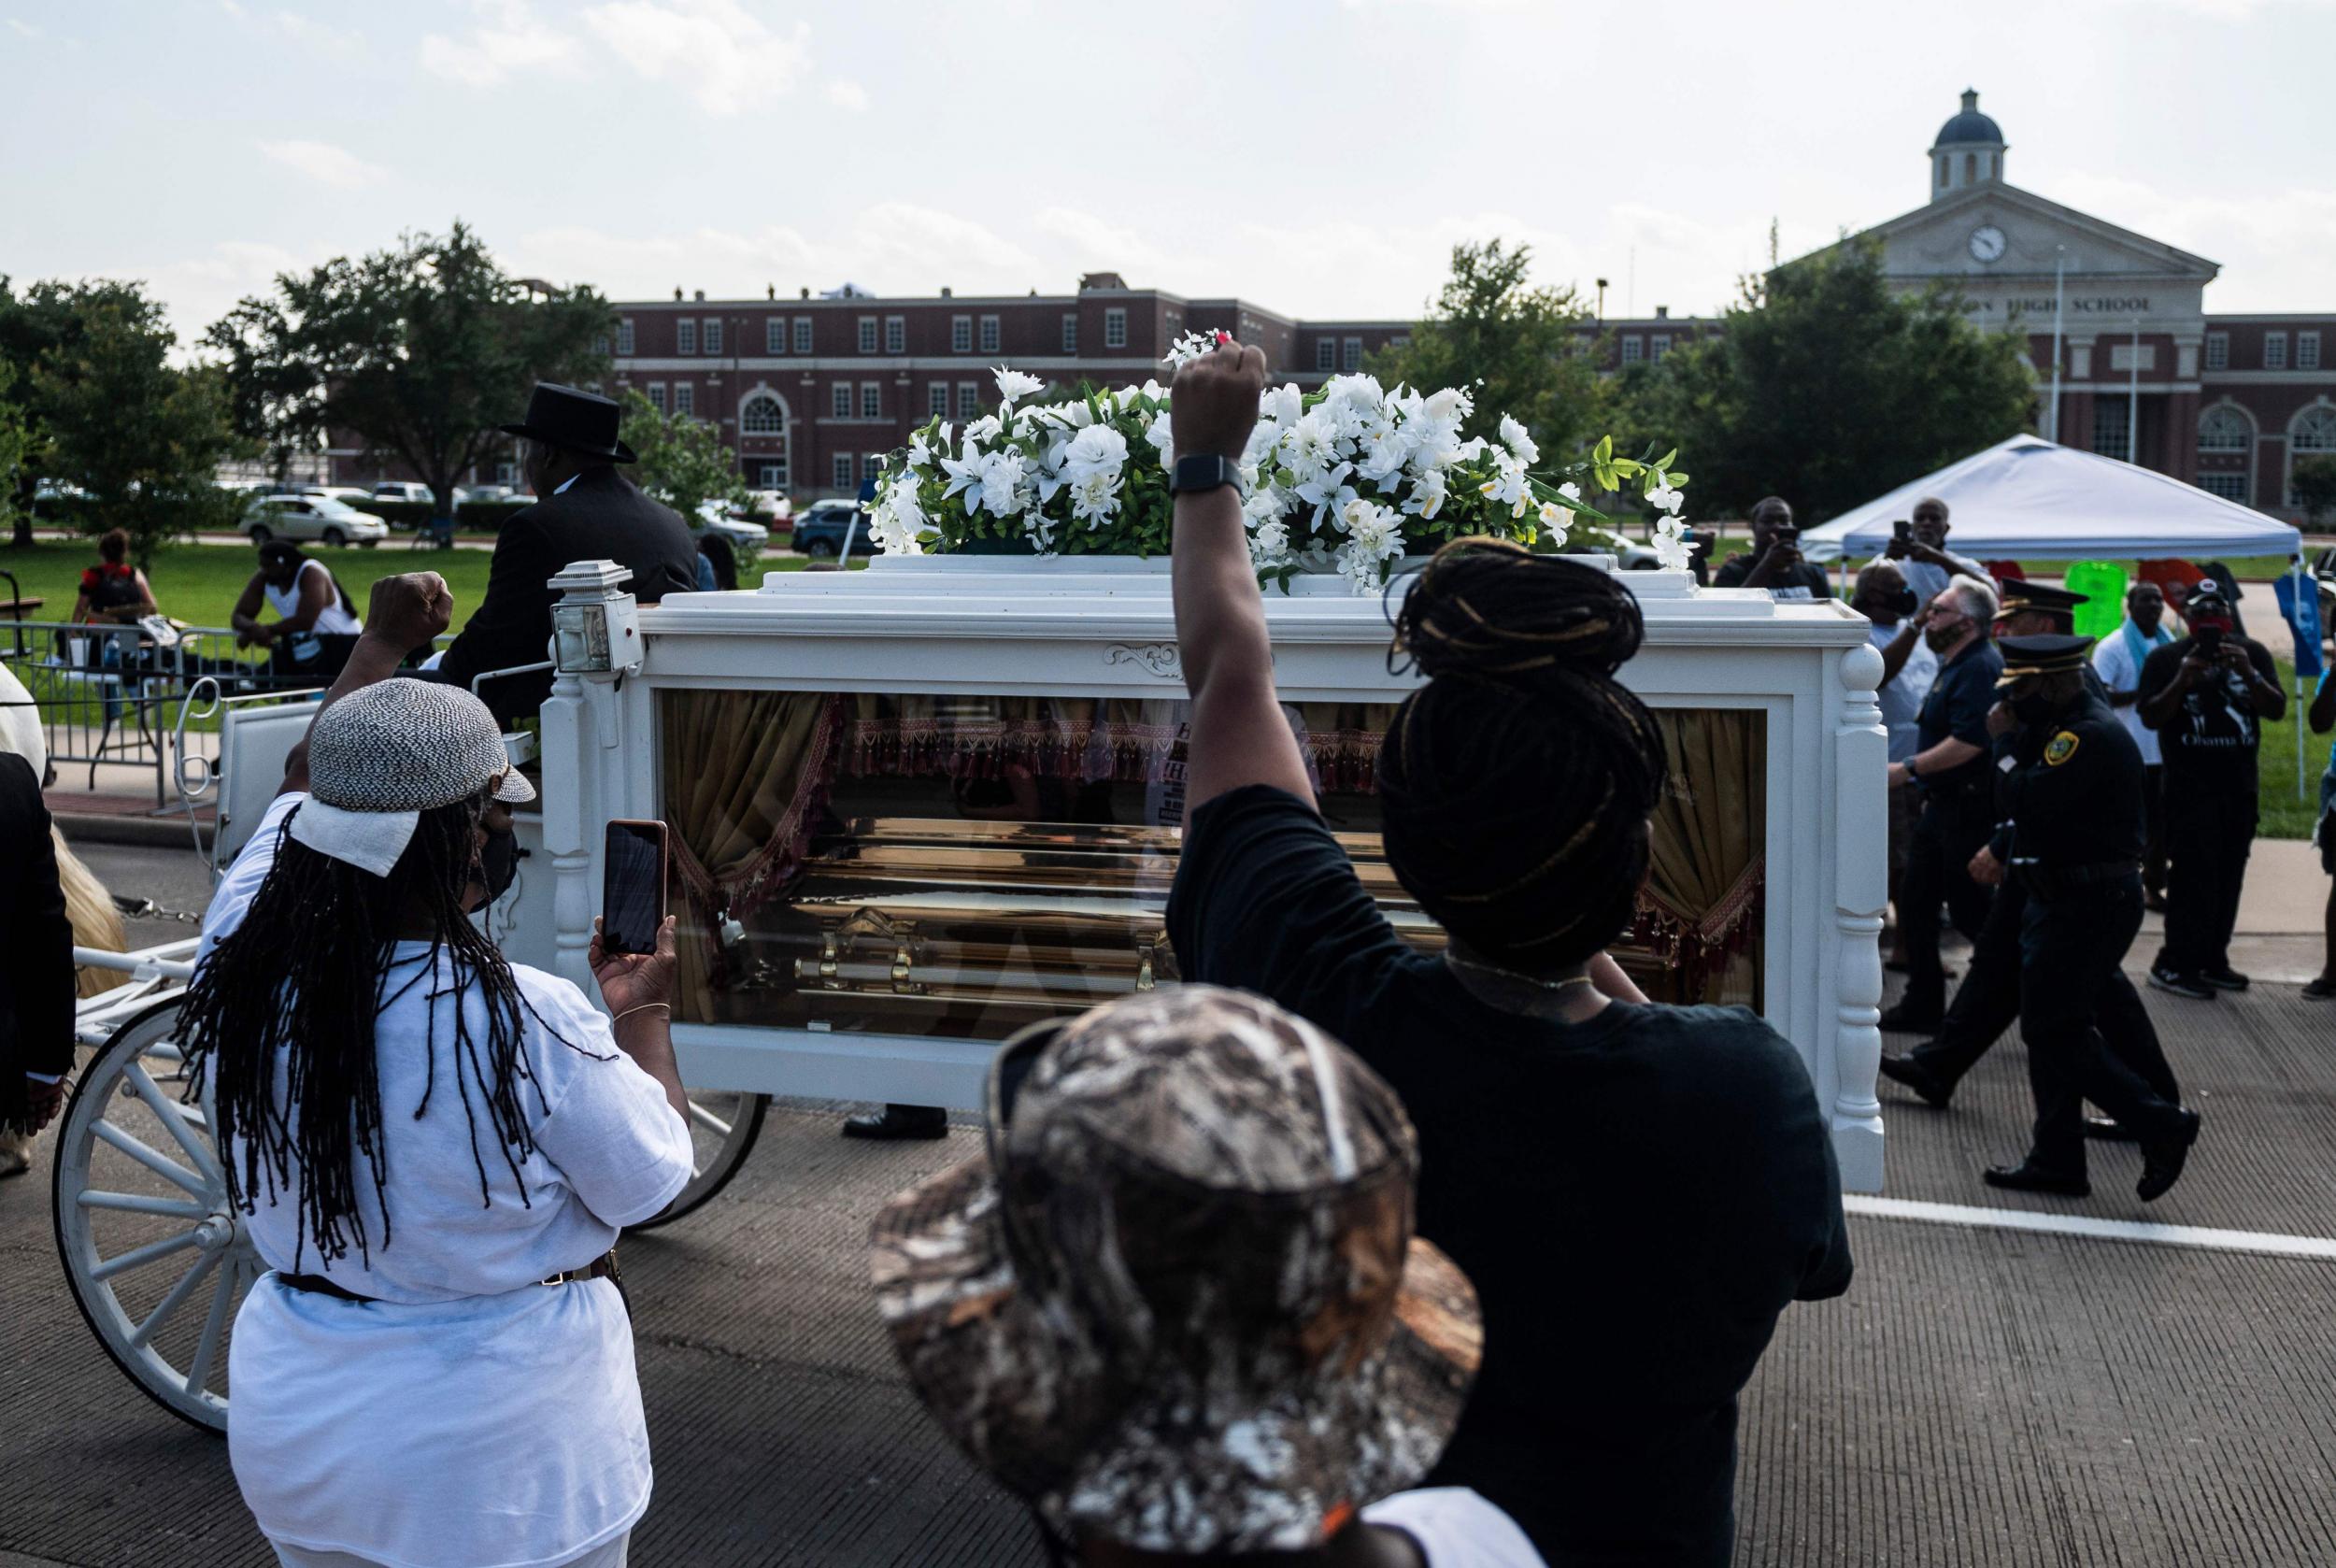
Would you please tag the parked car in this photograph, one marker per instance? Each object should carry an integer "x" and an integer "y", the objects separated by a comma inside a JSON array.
[
  {"x": 316, "y": 518},
  {"x": 404, "y": 491},
  {"x": 485, "y": 492},
  {"x": 772, "y": 504},
  {"x": 747, "y": 538},
  {"x": 347, "y": 495},
  {"x": 821, "y": 528}
]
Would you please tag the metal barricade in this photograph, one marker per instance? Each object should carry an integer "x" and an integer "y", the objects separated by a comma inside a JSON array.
[{"x": 106, "y": 694}]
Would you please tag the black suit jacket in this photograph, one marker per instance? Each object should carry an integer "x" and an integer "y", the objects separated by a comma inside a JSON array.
[
  {"x": 37, "y": 985},
  {"x": 602, "y": 517}
]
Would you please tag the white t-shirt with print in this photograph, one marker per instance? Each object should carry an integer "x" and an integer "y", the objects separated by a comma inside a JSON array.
[
  {"x": 468, "y": 1417},
  {"x": 1455, "y": 1528}
]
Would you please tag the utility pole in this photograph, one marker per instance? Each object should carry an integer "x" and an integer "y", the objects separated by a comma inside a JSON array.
[
  {"x": 2133, "y": 399},
  {"x": 2060, "y": 267},
  {"x": 1602, "y": 302}
]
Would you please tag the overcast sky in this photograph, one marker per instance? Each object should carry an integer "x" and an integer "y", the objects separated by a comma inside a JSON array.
[{"x": 1318, "y": 157}]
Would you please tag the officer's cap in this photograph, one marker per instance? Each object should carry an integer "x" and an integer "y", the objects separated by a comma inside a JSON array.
[
  {"x": 2018, "y": 597},
  {"x": 2040, "y": 655}
]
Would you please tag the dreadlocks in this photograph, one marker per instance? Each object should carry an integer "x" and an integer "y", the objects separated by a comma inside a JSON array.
[
  {"x": 292, "y": 996},
  {"x": 1515, "y": 784}
]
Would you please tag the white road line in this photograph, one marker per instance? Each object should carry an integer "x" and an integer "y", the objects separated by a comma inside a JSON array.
[{"x": 2088, "y": 1225}]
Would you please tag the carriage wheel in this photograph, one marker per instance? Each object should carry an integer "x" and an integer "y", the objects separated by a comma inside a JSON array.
[
  {"x": 157, "y": 1257},
  {"x": 723, "y": 1126}
]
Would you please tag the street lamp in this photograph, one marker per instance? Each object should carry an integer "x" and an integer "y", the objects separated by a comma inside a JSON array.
[{"x": 2059, "y": 264}]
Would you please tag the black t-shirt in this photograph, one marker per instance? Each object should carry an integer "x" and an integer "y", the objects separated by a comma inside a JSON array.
[
  {"x": 1636, "y": 1197},
  {"x": 2213, "y": 736},
  {"x": 1957, "y": 706},
  {"x": 1803, "y": 581}
]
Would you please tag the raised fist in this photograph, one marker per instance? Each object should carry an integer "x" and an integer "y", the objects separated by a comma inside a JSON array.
[
  {"x": 410, "y": 608},
  {"x": 1213, "y": 403}
]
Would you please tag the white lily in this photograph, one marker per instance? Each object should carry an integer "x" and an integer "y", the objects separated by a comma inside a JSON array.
[
  {"x": 1013, "y": 386},
  {"x": 1514, "y": 436},
  {"x": 1185, "y": 350}
]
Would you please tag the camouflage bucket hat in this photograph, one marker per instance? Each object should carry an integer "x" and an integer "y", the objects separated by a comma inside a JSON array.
[{"x": 1177, "y": 1302}]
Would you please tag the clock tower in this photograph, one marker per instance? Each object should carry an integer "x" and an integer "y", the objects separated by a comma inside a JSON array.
[{"x": 1969, "y": 152}]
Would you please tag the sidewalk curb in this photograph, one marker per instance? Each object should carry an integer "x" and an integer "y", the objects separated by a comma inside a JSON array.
[{"x": 168, "y": 833}]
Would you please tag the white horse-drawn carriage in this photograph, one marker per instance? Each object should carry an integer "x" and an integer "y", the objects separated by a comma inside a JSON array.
[{"x": 914, "y": 807}]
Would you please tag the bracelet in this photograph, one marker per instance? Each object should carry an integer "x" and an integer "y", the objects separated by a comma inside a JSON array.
[{"x": 643, "y": 1007}]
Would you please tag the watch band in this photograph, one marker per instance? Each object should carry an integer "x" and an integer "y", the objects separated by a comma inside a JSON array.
[{"x": 1205, "y": 471}]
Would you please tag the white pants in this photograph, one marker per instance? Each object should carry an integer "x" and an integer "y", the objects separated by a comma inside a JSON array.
[{"x": 608, "y": 1556}]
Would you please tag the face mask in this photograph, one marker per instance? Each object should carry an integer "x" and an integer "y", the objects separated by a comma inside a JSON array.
[
  {"x": 1942, "y": 636},
  {"x": 2033, "y": 708},
  {"x": 499, "y": 863}
]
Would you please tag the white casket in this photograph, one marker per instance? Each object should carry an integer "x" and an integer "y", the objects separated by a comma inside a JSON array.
[{"x": 914, "y": 807}]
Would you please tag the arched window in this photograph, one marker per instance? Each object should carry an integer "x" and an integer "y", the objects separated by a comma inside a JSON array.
[
  {"x": 2224, "y": 429},
  {"x": 763, "y": 415},
  {"x": 1971, "y": 167},
  {"x": 2314, "y": 431},
  {"x": 1943, "y": 171}
]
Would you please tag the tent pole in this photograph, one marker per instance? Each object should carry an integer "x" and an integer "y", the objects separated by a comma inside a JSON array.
[{"x": 2295, "y": 573}]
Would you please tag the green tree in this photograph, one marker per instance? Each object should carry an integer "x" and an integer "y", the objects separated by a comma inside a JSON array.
[
  {"x": 2314, "y": 481},
  {"x": 418, "y": 351},
  {"x": 46, "y": 320},
  {"x": 683, "y": 462},
  {"x": 1827, "y": 387},
  {"x": 144, "y": 436},
  {"x": 1491, "y": 326},
  {"x": 22, "y": 445}
]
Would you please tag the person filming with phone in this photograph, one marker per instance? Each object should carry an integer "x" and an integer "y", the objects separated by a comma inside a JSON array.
[
  {"x": 1918, "y": 545},
  {"x": 2207, "y": 697},
  {"x": 433, "y": 1149},
  {"x": 1774, "y": 561}
]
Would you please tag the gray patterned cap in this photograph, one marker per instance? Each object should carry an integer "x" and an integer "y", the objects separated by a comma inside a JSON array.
[
  {"x": 1178, "y": 1303},
  {"x": 385, "y": 753}
]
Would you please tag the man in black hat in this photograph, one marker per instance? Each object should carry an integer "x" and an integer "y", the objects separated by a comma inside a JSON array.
[
  {"x": 2077, "y": 833},
  {"x": 584, "y": 510},
  {"x": 1987, "y": 1001},
  {"x": 2207, "y": 697}
]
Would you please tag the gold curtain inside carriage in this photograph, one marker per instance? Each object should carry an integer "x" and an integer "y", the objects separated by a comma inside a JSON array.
[{"x": 961, "y": 866}]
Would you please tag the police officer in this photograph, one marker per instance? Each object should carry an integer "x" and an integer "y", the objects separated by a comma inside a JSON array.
[
  {"x": 1987, "y": 1001},
  {"x": 2074, "y": 790},
  {"x": 1952, "y": 770}
]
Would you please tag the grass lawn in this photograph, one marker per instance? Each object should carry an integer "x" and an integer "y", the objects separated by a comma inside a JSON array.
[
  {"x": 2283, "y": 815},
  {"x": 199, "y": 584}
]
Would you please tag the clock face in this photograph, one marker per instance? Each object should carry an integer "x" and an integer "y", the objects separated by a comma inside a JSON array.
[{"x": 1987, "y": 243}]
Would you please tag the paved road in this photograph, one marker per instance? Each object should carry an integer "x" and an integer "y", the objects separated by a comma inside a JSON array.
[{"x": 1985, "y": 1397}]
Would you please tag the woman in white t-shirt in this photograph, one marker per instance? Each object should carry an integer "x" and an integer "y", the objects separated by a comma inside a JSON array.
[
  {"x": 434, "y": 1149},
  {"x": 316, "y": 627}
]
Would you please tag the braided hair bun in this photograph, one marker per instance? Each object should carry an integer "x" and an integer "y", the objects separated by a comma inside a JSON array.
[{"x": 1517, "y": 784}]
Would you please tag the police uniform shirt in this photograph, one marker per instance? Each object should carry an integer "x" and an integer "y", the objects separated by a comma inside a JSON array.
[
  {"x": 2075, "y": 790},
  {"x": 1957, "y": 706},
  {"x": 1804, "y": 579}
]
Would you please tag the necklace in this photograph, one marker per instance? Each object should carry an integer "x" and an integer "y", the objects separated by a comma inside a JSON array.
[
  {"x": 1511, "y": 992},
  {"x": 1510, "y": 977}
]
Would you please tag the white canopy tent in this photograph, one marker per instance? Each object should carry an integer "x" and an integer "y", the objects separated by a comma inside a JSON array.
[{"x": 2030, "y": 498}]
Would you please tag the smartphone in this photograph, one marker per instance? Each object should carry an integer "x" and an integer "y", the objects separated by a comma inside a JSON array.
[
  {"x": 633, "y": 885},
  {"x": 1903, "y": 531},
  {"x": 2209, "y": 640}
]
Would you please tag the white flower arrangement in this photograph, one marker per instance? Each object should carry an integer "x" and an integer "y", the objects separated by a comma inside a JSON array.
[{"x": 1349, "y": 478}]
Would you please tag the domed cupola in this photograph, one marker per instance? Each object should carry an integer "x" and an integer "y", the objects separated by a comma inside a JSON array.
[{"x": 1969, "y": 152}]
